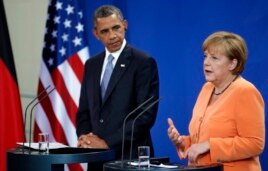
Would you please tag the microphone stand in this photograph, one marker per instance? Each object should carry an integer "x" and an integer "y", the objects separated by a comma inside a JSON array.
[
  {"x": 124, "y": 123},
  {"x": 32, "y": 114},
  {"x": 25, "y": 113},
  {"x": 133, "y": 123}
]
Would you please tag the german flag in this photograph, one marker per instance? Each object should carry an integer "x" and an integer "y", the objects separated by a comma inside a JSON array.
[{"x": 11, "y": 121}]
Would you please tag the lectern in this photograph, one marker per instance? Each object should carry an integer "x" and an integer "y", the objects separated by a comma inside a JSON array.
[
  {"x": 18, "y": 159},
  {"x": 118, "y": 166}
]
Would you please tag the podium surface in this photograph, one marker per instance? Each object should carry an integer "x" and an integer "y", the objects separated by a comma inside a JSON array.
[
  {"x": 18, "y": 159},
  {"x": 118, "y": 166}
]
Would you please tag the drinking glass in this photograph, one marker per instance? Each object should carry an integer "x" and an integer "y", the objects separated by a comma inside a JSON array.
[
  {"x": 144, "y": 157},
  {"x": 43, "y": 142}
]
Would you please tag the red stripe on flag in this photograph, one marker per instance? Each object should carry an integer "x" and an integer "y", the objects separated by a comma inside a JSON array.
[
  {"x": 77, "y": 66},
  {"x": 56, "y": 127},
  {"x": 75, "y": 167},
  {"x": 36, "y": 132},
  {"x": 11, "y": 122},
  {"x": 70, "y": 106}
]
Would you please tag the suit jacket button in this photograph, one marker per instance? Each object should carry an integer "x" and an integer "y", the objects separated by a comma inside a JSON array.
[{"x": 101, "y": 121}]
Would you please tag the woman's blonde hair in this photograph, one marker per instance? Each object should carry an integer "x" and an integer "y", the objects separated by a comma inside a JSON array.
[{"x": 232, "y": 45}]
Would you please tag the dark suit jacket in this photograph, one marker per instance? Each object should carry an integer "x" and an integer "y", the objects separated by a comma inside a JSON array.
[{"x": 134, "y": 80}]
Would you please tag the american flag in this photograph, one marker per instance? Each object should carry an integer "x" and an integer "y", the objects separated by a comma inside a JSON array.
[{"x": 64, "y": 54}]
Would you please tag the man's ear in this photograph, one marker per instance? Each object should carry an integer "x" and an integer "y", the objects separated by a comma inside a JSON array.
[{"x": 125, "y": 23}]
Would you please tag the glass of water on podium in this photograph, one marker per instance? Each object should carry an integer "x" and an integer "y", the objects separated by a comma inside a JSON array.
[
  {"x": 144, "y": 157},
  {"x": 43, "y": 142}
]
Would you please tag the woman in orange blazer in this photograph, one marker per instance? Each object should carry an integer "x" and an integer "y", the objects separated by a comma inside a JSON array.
[{"x": 227, "y": 124}]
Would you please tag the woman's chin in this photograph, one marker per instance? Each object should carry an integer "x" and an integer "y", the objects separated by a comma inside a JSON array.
[{"x": 208, "y": 79}]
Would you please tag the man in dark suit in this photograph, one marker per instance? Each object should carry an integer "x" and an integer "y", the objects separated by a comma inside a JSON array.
[{"x": 134, "y": 79}]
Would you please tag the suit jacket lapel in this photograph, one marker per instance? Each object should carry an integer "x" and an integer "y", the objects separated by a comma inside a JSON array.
[
  {"x": 121, "y": 65},
  {"x": 97, "y": 77}
]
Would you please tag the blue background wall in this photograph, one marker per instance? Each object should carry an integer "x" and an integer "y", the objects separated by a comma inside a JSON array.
[{"x": 172, "y": 31}]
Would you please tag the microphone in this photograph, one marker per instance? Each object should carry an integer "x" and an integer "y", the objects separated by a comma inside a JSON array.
[
  {"x": 133, "y": 123},
  {"x": 124, "y": 123},
  {"x": 25, "y": 113},
  {"x": 46, "y": 95}
]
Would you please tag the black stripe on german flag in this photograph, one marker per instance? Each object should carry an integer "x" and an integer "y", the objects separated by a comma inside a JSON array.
[{"x": 6, "y": 54}]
